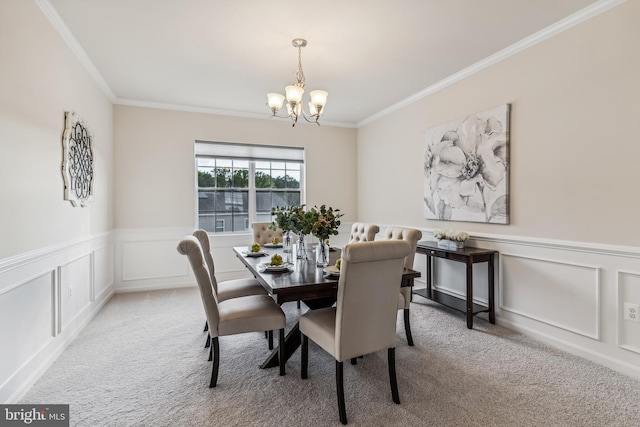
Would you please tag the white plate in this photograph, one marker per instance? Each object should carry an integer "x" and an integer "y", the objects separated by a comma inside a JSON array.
[
  {"x": 254, "y": 254},
  {"x": 271, "y": 245},
  {"x": 276, "y": 268},
  {"x": 332, "y": 270}
]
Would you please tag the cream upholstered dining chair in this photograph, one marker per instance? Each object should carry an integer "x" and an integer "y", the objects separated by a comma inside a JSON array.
[
  {"x": 361, "y": 232},
  {"x": 263, "y": 234},
  {"x": 229, "y": 288},
  {"x": 412, "y": 236},
  {"x": 253, "y": 313},
  {"x": 364, "y": 318}
]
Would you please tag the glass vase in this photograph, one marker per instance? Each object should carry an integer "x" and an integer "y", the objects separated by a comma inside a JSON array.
[
  {"x": 322, "y": 253},
  {"x": 287, "y": 243},
  {"x": 301, "y": 252}
]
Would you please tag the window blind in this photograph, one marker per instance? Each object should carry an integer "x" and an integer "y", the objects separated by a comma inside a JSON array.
[{"x": 249, "y": 151}]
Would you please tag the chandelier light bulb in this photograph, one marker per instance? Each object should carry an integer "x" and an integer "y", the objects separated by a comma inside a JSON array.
[
  {"x": 275, "y": 101},
  {"x": 294, "y": 94}
]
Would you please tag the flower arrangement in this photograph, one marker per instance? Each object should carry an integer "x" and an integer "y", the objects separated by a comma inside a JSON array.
[
  {"x": 324, "y": 221},
  {"x": 283, "y": 218},
  {"x": 321, "y": 221},
  {"x": 452, "y": 239}
]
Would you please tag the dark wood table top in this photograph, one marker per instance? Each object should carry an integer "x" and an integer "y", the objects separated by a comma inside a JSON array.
[{"x": 305, "y": 281}]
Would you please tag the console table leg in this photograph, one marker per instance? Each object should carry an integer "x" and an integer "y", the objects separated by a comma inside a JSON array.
[
  {"x": 429, "y": 277},
  {"x": 469, "y": 295},
  {"x": 492, "y": 309}
]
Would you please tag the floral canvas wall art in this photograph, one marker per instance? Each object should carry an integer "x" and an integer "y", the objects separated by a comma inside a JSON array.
[{"x": 466, "y": 168}]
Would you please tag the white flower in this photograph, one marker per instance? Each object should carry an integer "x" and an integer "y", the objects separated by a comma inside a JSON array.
[{"x": 450, "y": 234}]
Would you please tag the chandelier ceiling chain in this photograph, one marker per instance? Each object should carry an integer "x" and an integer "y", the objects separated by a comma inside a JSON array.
[
  {"x": 294, "y": 95},
  {"x": 299, "y": 72}
]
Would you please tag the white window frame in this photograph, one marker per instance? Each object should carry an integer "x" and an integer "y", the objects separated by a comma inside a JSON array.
[{"x": 251, "y": 153}]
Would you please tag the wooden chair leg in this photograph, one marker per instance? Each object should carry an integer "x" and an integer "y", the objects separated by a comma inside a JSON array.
[
  {"x": 354, "y": 361},
  {"x": 281, "y": 355},
  {"x": 407, "y": 327},
  {"x": 206, "y": 326},
  {"x": 340, "y": 390},
  {"x": 210, "y": 353},
  {"x": 216, "y": 362},
  {"x": 298, "y": 303},
  {"x": 208, "y": 341},
  {"x": 391, "y": 356},
  {"x": 304, "y": 356},
  {"x": 270, "y": 336}
]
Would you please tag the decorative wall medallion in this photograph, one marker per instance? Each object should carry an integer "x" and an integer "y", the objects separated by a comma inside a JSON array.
[
  {"x": 466, "y": 168},
  {"x": 78, "y": 162}
]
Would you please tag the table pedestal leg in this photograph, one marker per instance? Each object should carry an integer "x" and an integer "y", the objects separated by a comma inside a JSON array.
[
  {"x": 292, "y": 340},
  {"x": 291, "y": 344}
]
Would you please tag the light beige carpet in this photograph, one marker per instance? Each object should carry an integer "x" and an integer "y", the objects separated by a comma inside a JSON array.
[{"x": 141, "y": 362}]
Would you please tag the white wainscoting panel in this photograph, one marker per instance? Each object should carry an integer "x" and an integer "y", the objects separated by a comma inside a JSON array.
[
  {"x": 561, "y": 294},
  {"x": 628, "y": 291},
  {"x": 147, "y": 259},
  {"x": 75, "y": 281},
  {"x": 27, "y": 319},
  {"x": 152, "y": 259},
  {"x": 46, "y": 298},
  {"x": 102, "y": 270}
]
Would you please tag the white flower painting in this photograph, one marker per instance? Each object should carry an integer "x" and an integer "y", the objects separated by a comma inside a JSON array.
[{"x": 466, "y": 168}]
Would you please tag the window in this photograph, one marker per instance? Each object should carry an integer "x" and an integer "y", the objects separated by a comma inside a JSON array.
[{"x": 238, "y": 184}]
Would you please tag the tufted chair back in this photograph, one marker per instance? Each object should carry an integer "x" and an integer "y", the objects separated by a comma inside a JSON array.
[
  {"x": 411, "y": 235},
  {"x": 361, "y": 232},
  {"x": 370, "y": 279},
  {"x": 262, "y": 234}
]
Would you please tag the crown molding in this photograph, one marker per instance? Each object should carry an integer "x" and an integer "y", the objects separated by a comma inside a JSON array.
[
  {"x": 204, "y": 110},
  {"x": 62, "y": 29},
  {"x": 550, "y": 31}
]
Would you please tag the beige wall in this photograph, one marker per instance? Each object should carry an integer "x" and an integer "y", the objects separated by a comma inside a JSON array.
[
  {"x": 155, "y": 168},
  {"x": 575, "y": 139},
  {"x": 40, "y": 79}
]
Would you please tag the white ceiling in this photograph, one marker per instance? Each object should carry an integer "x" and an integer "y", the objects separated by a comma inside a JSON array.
[{"x": 223, "y": 56}]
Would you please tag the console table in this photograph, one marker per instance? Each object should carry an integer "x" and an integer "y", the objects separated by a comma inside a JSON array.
[{"x": 469, "y": 256}]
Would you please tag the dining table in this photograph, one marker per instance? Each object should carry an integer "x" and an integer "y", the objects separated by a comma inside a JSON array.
[{"x": 299, "y": 279}]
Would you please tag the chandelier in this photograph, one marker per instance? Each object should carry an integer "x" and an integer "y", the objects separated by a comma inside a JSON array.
[{"x": 294, "y": 94}]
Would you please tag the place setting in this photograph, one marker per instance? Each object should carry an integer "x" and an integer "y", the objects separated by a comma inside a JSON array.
[
  {"x": 274, "y": 244},
  {"x": 333, "y": 270},
  {"x": 255, "y": 250},
  {"x": 276, "y": 265}
]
